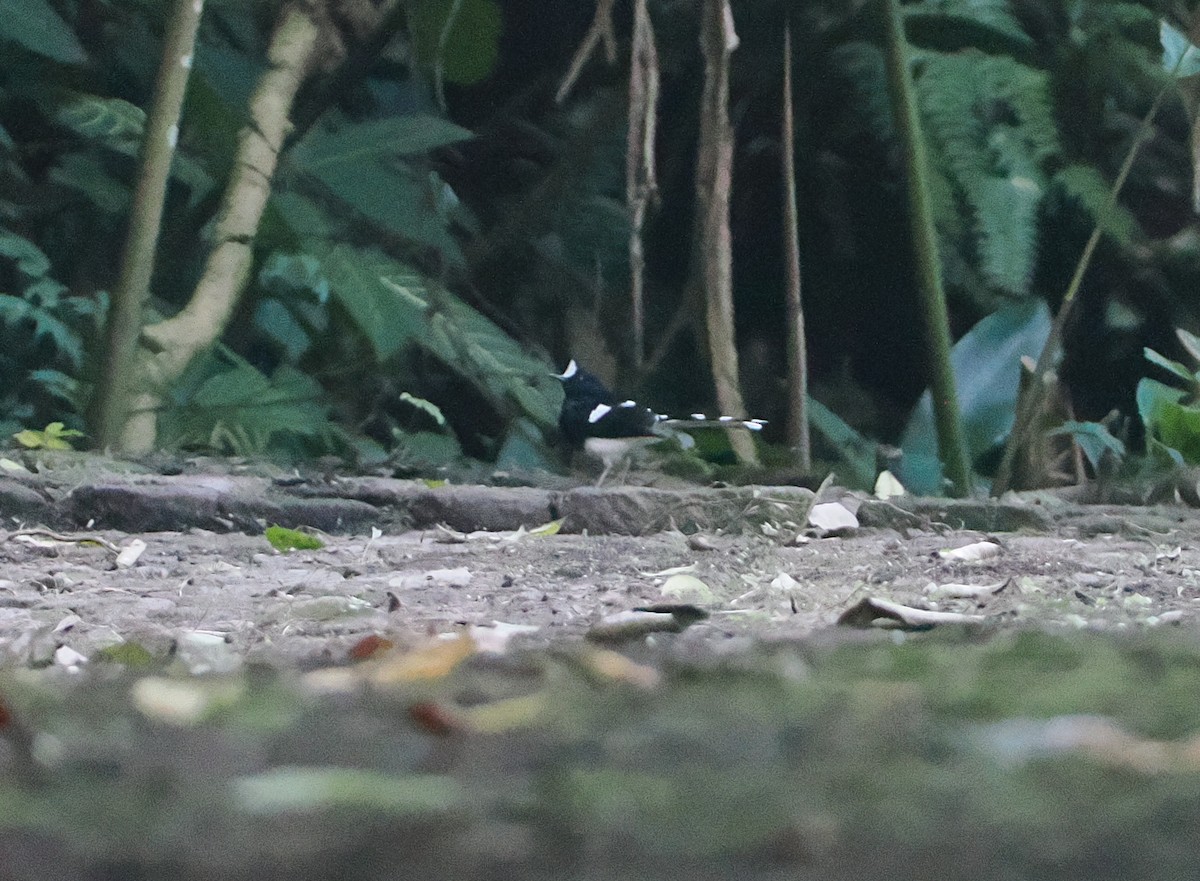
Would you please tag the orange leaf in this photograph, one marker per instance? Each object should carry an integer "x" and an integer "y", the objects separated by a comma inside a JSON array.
[
  {"x": 370, "y": 646},
  {"x": 434, "y": 718}
]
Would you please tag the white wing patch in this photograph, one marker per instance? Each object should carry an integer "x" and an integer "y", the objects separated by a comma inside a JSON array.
[
  {"x": 571, "y": 370},
  {"x": 599, "y": 412}
]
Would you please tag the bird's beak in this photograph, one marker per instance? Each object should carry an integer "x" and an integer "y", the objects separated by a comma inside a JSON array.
[{"x": 571, "y": 370}]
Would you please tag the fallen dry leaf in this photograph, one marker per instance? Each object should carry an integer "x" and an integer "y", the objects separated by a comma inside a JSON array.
[
  {"x": 632, "y": 624},
  {"x": 832, "y": 518},
  {"x": 683, "y": 586},
  {"x": 876, "y": 612},
  {"x": 964, "y": 591},
  {"x": 888, "y": 487},
  {"x": 972, "y": 553},
  {"x": 434, "y": 661},
  {"x": 494, "y": 639},
  {"x": 614, "y": 666},
  {"x": 370, "y": 646}
]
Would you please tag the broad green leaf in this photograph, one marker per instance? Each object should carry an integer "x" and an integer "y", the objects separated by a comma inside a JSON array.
[
  {"x": 36, "y": 26},
  {"x": 548, "y": 529},
  {"x": 857, "y": 463},
  {"x": 41, "y": 323},
  {"x": 1152, "y": 398},
  {"x": 1093, "y": 438},
  {"x": 55, "y": 383},
  {"x": 277, "y": 323},
  {"x": 131, "y": 654},
  {"x": 291, "y": 220},
  {"x": 286, "y": 274},
  {"x": 416, "y": 449},
  {"x": 986, "y": 364},
  {"x": 231, "y": 76},
  {"x": 29, "y": 257},
  {"x": 392, "y": 305},
  {"x": 472, "y": 45},
  {"x": 85, "y": 173},
  {"x": 224, "y": 402},
  {"x": 1190, "y": 342},
  {"x": 118, "y": 125},
  {"x": 353, "y": 143},
  {"x": 113, "y": 122},
  {"x": 524, "y": 449},
  {"x": 1179, "y": 428},
  {"x": 398, "y": 198},
  {"x": 1089, "y": 189},
  {"x": 1179, "y": 56},
  {"x": 383, "y": 297},
  {"x": 53, "y": 437},
  {"x": 989, "y": 26},
  {"x": 1170, "y": 366}
]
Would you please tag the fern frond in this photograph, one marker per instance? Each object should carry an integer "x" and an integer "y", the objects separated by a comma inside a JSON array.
[
  {"x": 24, "y": 321},
  {"x": 1131, "y": 21},
  {"x": 1088, "y": 189},
  {"x": 991, "y": 125},
  {"x": 950, "y": 25}
]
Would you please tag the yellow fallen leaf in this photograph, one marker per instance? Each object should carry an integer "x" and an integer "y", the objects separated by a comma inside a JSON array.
[
  {"x": 611, "y": 665},
  {"x": 504, "y": 715},
  {"x": 430, "y": 662},
  {"x": 550, "y": 528}
]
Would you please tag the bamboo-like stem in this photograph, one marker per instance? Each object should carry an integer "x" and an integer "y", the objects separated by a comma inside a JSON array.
[
  {"x": 797, "y": 348},
  {"x": 951, "y": 446},
  {"x": 170, "y": 345},
  {"x": 111, "y": 404}
]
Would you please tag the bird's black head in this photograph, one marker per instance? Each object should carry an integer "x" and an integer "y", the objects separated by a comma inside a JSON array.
[{"x": 583, "y": 387}]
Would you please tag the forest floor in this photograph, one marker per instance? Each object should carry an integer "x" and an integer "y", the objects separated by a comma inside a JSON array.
[{"x": 729, "y": 693}]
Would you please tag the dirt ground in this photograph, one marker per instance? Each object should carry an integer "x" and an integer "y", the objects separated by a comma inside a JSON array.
[
  {"x": 711, "y": 698},
  {"x": 1096, "y": 569}
]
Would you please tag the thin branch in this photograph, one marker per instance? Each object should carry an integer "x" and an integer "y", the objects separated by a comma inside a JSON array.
[
  {"x": 714, "y": 183},
  {"x": 641, "y": 182},
  {"x": 600, "y": 31},
  {"x": 1030, "y": 403},
  {"x": 439, "y": 66}
]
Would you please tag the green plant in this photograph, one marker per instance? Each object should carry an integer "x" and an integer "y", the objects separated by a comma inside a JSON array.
[
  {"x": 45, "y": 333},
  {"x": 1171, "y": 415},
  {"x": 54, "y": 436}
]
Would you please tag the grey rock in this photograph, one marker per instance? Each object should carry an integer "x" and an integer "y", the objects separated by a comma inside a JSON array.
[
  {"x": 982, "y": 515},
  {"x": 159, "y": 504},
  {"x": 470, "y": 508},
  {"x": 644, "y": 510},
  {"x": 22, "y": 502}
]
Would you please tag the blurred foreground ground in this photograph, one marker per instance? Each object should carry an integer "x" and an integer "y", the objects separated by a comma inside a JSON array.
[{"x": 418, "y": 704}]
